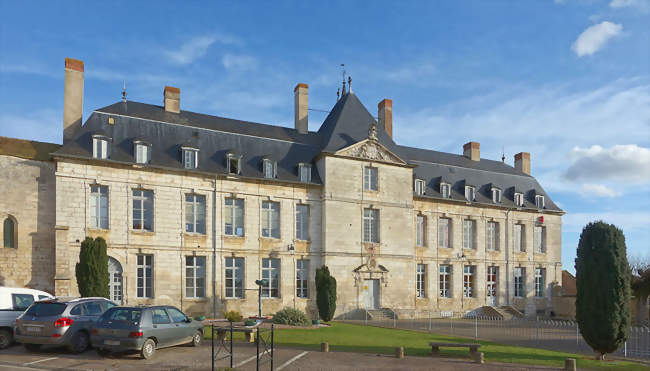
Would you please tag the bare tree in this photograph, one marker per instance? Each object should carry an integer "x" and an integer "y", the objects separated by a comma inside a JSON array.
[{"x": 640, "y": 283}]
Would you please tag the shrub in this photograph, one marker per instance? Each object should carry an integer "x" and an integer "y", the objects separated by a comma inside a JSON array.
[
  {"x": 290, "y": 316},
  {"x": 603, "y": 287},
  {"x": 325, "y": 293},
  {"x": 233, "y": 316},
  {"x": 92, "y": 269}
]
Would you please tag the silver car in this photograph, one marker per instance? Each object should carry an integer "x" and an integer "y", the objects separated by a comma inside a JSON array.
[{"x": 60, "y": 321}]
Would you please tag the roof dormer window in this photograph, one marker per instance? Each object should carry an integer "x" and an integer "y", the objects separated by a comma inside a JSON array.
[
  {"x": 142, "y": 152},
  {"x": 470, "y": 193},
  {"x": 269, "y": 168},
  {"x": 304, "y": 171},
  {"x": 420, "y": 187},
  {"x": 519, "y": 199},
  {"x": 233, "y": 163},
  {"x": 496, "y": 195},
  {"x": 445, "y": 190},
  {"x": 101, "y": 147},
  {"x": 190, "y": 157},
  {"x": 539, "y": 201}
]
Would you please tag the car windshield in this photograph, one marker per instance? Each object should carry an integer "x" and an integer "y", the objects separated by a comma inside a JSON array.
[
  {"x": 122, "y": 314},
  {"x": 39, "y": 309}
]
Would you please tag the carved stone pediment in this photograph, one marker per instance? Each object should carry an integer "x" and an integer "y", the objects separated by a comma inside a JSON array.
[{"x": 370, "y": 150}]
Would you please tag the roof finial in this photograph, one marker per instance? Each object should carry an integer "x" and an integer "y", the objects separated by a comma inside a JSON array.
[
  {"x": 503, "y": 155},
  {"x": 343, "y": 73},
  {"x": 372, "y": 131},
  {"x": 124, "y": 92},
  {"x": 338, "y": 93},
  {"x": 350, "y": 83}
]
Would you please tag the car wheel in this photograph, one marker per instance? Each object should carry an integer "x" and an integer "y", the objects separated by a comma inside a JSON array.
[
  {"x": 148, "y": 349},
  {"x": 6, "y": 338},
  {"x": 103, "y": 352},
  {"x": 197, "y": 338},
  {"x": 32, "y": 347},
  {"x": 79, "y": 342}
]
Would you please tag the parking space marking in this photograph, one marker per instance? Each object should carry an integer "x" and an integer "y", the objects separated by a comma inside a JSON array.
[
  {"x": 2, "y": 367},
  {"x": 249, "y": 359},
  {"x": 40, "y": 360},
  {"x": 287, "y": 363}
]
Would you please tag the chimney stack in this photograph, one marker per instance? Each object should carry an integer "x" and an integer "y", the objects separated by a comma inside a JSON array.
[
  {"x": 300, "y": 105},
  {"x": 73, "y": 97},
  {"x": 172, "y": 99},
  {"x": 385, "y": 115},
  {"x": 522, "y": 162},
  {"x": 472, "y": 150}
]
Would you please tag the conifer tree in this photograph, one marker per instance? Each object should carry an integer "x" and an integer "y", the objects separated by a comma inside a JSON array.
[
  {"x": 92, "y": 269},
  {"x": 325, "y": 293}
]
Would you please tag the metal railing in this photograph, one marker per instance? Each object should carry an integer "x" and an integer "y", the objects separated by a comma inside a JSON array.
[{"x": 538, "y": 332}]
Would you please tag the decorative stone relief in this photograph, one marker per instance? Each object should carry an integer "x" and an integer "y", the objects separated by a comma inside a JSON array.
[{"x": 372, "y": 151}]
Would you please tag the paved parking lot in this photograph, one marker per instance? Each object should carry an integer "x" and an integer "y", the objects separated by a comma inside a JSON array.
[{"x": 188, "y": 358}]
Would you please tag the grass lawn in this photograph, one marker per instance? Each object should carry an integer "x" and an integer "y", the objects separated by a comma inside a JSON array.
[{"x": 368, "y": 339}]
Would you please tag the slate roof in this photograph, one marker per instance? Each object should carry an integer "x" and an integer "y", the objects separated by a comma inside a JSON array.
[{"x": 347, "y": 123}]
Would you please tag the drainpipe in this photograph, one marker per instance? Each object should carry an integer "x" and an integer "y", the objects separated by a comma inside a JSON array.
[
  {"x": 508, "y": 255},
  {"x": 214, "y": 249}
]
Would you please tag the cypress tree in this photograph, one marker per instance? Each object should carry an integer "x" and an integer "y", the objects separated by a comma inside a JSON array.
[
  {"x": 325, "y": 293},
  {"x": 92, "y": 269},
  {"x": 603, "y": 285}
]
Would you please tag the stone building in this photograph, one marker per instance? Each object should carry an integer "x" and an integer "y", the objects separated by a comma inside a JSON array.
[{"x": 195, "y": 208}]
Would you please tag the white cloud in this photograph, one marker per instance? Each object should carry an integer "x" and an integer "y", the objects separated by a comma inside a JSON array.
[
  {"x": 197, "y": 47},
  {"x": 43, "y": 125},
  {"x": 639, "y": 4},
  {"x": 239, "y": 62},
  {"x": 599, "y": 190},
  {"x": 625, "y": 220},
  {"x": 624, "y": 163},
  {"x": 411, "y": 73},
  {"x": 595, "y": 37}
]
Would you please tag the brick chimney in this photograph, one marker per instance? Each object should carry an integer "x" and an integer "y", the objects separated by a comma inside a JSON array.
[
  {"x": 472, "y": 150},
  {"x": 522, "y": 162},
  {"x": 172, "y": 99},
  {"x": 300, "y": 105},
  {"x": 385, "y": 115},
  {"x": 73, "y": 97}
]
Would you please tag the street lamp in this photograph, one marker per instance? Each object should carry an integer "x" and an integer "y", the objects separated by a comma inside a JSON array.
[{"x": 259, "y": 284}]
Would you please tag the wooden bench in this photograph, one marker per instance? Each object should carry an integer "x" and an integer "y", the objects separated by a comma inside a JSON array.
[
  {"x": 435, "y": 348},
  {"x": 224, "y": 331}
]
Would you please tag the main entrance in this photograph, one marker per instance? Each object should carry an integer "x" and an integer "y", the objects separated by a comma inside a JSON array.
[
  {"x": 370, "y": 294},
  {"x": 492, "y": 274}
]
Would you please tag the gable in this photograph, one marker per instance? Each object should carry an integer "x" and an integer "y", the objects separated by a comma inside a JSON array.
[{"x": 369, "y": 149}]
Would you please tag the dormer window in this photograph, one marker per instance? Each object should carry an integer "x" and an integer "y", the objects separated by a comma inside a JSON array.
[
  {"x": 233, "y": 162},
  {"x": 420, "y": 187},
  {"x": 101, "y": 148},
  {"x": 539, "y": 201},
  {"x": 142, "y": 152},
  {"x": 269, "y": 168},
  {"x": 190, "y": 157},
  {"x": 519, "y": 199},
  {"x": 445, "y": 190},
  {"x": 470, "y": 193},
  {"x": 304, "y": 171},
  {"x": 496, "y": 195}
]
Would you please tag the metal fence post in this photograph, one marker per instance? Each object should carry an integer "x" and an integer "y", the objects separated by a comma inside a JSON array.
[
  {"x": 272, "y": 345},
  {"x": 625, "y": 349},
  {"x": 536, "y": 329},
  {"x": 257, "y": 353},
  {"x": 231, "y": 341},
  {"x": 366, "y": 321},
  {"x": 212, "y": 340},
  {"x": 429, "y": 320},
  {"x": 475, "y": 327},
  {"x": 394, "y": 319}
]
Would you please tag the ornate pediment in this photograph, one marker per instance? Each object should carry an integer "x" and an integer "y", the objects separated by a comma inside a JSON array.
[{"x": 370, "y": 150}]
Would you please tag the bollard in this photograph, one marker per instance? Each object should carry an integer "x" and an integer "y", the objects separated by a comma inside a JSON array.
[
  {"x": 479, "y": 357},
  {"x": 570, "y": 364},
  {"x": 325, "y": 347},
  {"x": 399, "y": 352}
]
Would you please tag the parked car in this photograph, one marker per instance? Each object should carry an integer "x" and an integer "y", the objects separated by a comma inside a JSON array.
[
  {"x": 144, "y": 329},
  {"x": 60, "y": 321},
  {"x": 13, "y": 302}
]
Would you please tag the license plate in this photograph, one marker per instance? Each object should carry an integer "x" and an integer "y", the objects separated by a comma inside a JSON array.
[
  {"x": 111, "y": 342},
  {"x": 33, "y": 329}
]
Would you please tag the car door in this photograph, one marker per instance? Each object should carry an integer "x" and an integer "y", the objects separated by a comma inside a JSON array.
[
  {"x": 183, "y": 330},
  {"x": 162, "y": 327},
  {"x": 92, "y": 311}
]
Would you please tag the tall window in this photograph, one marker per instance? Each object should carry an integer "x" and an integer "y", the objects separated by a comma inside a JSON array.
[
  {"x": 269, "y": 168},
  {"x": 142, "y": 210},
  {"x": 194, "y": 213},
  {"x": 190, "y": 158},
  {"x": 142, "y": 153},
  {"x": 302, "y": 222},
  {"x": 195, "y": 276},
  {"x": 420, "y": 187},
  {"x": 496, "y": 195},
  {"x": 540, "y": 276},
  {"x": 420, "y": 281},
  {"x": 444, "y": 233},
  {"x": 234, "y": 217},
  {"x": 370, "y": 178},
  {"x": 468, "y": 280},
  {"x": 519, "y": 239},
  {"x": 270, "y": 219},
  {"x": 99, "y": 207},
  {"x": 304, "y": 171},
  {"x": 469, "y": 231},
  {"x": 371, "y": 225},
  {"x": 101, "y": 149},
  {"x": 271, "y": 273},
  {"x": 519, "y": 199},
  {"x": 235, "y": 278},
  {"x": 445, "y": 281},
  {"x": 302, "y": 278},
  {"x": 470, "y": 193},
  {"x": 539, "y": 201},
  {"x": 420, "y": 230},
  {"x": 144, "y": 284},
  {"x": 520, "y": 277},
  {"x": 540, "y": 237},
  {"x": 492, "y": 236},
  {"x": 445, "y": 190},
  {"x": 9, "y": 233}
]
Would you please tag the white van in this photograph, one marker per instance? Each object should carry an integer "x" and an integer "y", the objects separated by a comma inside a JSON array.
[{"x": 13, "y": 302}]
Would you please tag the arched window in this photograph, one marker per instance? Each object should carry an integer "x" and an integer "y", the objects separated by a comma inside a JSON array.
[
  {"x": 9, "y": 228},
  {"x": 115, "y": 280}
]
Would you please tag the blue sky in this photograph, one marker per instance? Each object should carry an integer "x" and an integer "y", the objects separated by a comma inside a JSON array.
[{"x": 567, "y": 81}]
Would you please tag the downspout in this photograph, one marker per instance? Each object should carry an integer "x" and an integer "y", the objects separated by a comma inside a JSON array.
[
  {"x": 508, "y": 256},
  {"x": 214, "y": 249}
]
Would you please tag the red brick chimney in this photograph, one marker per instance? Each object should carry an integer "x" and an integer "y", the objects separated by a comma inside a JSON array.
[
  {"x": 385, "y": 116},
  {"x": 522, "y": 162},
  {"x": 472, "y": 150}
]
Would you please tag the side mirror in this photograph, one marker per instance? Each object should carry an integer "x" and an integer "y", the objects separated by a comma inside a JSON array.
[{"x": 188, "y": 320}]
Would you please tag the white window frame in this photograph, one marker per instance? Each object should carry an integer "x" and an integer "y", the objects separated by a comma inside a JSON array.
[
  {"x": 233, "y": 159},
  {"x": 519, "y": 199},
  {"x": 142, "y": 198},
  {"x": 190, "y": 158},
  {"x": 445, "y": 190},
  {"x": 469, "y": 234},
  {"x": 370, "y": 225},
  {"x": 540, "y": 281},
  {"x": 445, "y": 281},
  {"x": 469, "y": 281},
  {"x": 519, "y": 282},
  {"x": 421, "y": 281},
  {"x": 420, "y": 230},
  {"x": 370, "y": 178},
  {"x": 304, "y": 172},
  {"x": 470, "y": 193},
  {"x": 142, "y": 152},
  {"x": 270, "y": 219},
  {"x": 271, "y": 274},
  {"x": 519, "y": 232},
  {"x": 101, "y": 147},
  {"x": 420, "y": 187},
  {"x": 539, "y": 237},
  {"x": 236, "y": 290},
  {"x": 302, "y": 278},
  {"x": 195, "y": 212},
  {"x": 232, "y": 206},
  {"x": 539, "y": 201},
  {"x": 302, "y": 222},
  {"x": 99, "y": 206},
  {"x": 444, "y": 233},
  {"x": 269, "y": 168},
  {"x": 492, "y": 237},
  {"x": 144, "y": 265},
  {"x": 496, "y": 195},
  {"x": 195, "y": 273}
]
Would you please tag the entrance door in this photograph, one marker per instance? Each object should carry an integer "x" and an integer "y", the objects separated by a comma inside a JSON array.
[
  {"x": 371, "y": 294},
  {"x": 491, "y": 292},
  {"x": 115, "y": 280}
]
